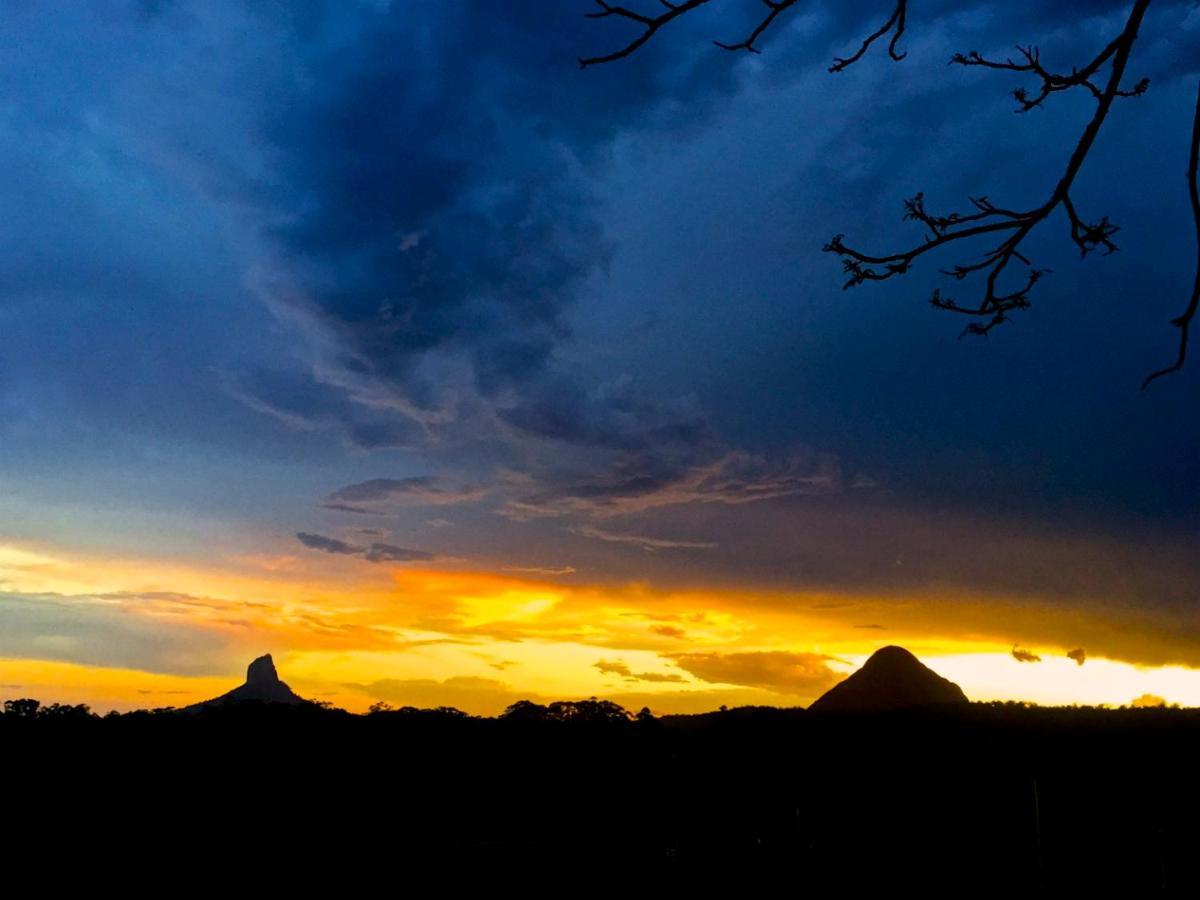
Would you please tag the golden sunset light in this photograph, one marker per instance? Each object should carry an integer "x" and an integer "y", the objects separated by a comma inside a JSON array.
[{"x": 481, "y": 640}]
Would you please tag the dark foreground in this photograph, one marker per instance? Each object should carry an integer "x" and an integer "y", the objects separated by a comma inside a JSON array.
[{"x": 982, "y": 800}]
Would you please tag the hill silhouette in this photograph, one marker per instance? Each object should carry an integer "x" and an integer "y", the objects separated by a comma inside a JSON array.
[
  {"x": 262, "y": 686},
  {"x": 891, "y": 679}
]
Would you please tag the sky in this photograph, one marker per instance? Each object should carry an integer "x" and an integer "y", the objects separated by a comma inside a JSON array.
[{"x": 382, "y": 337}]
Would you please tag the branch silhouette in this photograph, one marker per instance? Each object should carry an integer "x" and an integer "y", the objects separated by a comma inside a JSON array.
[
  {"x": 1004, "y": 291},
  {"x": 1051, "y": 82},
  {"x": 894, "y": 25},
  {"x": 1184, "y": 322},
  {"x": 650, "y": 24},
  {"x": 1013, "y": 226},
  {"x": 775, "y": 8}
]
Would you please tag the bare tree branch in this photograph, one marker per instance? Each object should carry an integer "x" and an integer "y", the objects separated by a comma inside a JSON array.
[
  {"x": 895, "y": 25},
  {"x": 775, "y": 8},
  {"x": 1051, "y": 82},
  {"x": 651, "y": 24},
  {"x": 1011, "y": 226},
  {"x": 984, "y": 219},
  {"x": 1184, "y": 322}
]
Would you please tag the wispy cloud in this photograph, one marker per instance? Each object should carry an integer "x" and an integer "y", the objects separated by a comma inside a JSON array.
[
  {"x": 640, "y": 484},
  {"x": 646, "y": 543},
  {"x": 617, "y": 667},
  {"x": 670, "y": 631},
  {"x": 380, "y": 496},
  {"x": 375, "y": 553},
  {"x": 541, "y": 570},
  {"x": 328, "y": 544}
]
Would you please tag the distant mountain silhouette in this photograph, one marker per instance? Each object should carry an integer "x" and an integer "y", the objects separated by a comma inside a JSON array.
[
  {"x": 891, "y": 679},
  {"x": 262, "y": 686}
]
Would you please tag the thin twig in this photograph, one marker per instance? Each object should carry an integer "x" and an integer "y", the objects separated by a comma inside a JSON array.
[
  {"x": 775, "y": 8},
  {"x": 651, "y": 25},
  {"x": 1052, "y": 82},
  {"x": 897, "y": 21},
  {"x": 1184, "y": 322}
]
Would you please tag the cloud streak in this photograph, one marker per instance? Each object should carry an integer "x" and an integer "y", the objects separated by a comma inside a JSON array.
[
  {"x": 376, "y": 553},
  {"x": 380, "y": 496},
  {"x": 646, "y": 543},
  {"x": 800, "y": 674},
  {"x": 640, "y": 484},
  {"x": 616, "y": 667}
]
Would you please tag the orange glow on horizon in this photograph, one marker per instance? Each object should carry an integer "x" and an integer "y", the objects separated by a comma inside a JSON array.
[{"x": 352, "y": 634}]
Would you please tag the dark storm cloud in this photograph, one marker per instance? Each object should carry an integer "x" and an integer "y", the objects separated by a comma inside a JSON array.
[
  {"x": 375, "y": 553},
  {"x": 611, "y": 415},
  {"x": 404, "y": 257},
  {"x": 433, "y": 214},
  {"x": 433, "y": 276},
  {"x": 425, "y": 177},
  {"x": 411, "y": 187}
]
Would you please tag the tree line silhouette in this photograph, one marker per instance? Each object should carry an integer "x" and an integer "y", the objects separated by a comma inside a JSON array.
[{"x": 1065, "y": 799}]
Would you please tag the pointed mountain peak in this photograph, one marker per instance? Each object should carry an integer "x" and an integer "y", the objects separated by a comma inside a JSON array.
[
  {"x": 891, "y": 679},
  {"x": 262, "y": 686},
  {"x": 262, "y": 672}
]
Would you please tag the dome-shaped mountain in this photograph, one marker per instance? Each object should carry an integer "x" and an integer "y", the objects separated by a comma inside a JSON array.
[
  {"x": 262, "y": 685},
  {"x": 891, "y": 679}
]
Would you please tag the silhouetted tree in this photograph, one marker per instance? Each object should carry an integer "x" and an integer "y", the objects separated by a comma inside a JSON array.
[
  {"x": 590, "y": 711},
  {"x": 526, "y": 711},
  {"x": 65, "y": 711},
  {"x": 25, "y": 708},
  {"x": 1008, "y": 275}
]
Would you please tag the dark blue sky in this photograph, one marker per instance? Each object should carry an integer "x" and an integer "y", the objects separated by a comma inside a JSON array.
[{"x": 254, "y": 254}]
